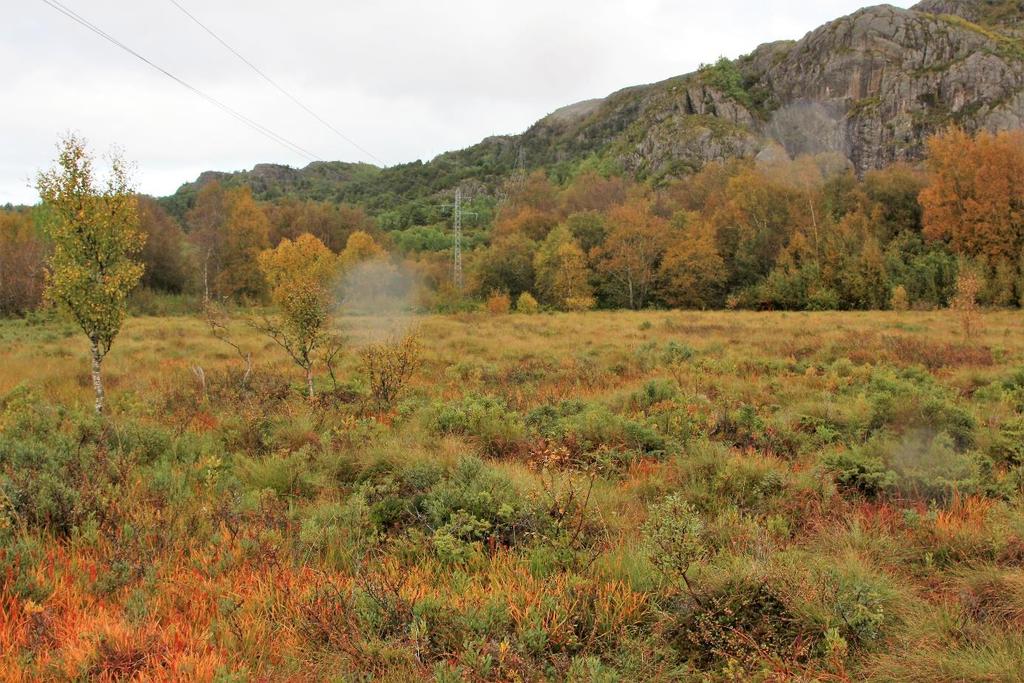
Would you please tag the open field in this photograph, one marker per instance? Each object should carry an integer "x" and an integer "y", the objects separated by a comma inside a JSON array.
[{"x": 599, "y": 496}]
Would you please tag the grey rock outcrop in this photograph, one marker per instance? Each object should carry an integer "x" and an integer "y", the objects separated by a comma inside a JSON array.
[
  {"x": 894, "y": 76},
  {"x": 872, "y": 85}
]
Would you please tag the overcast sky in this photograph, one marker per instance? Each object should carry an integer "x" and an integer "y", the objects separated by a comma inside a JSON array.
[{"x": 405, "y": 79}]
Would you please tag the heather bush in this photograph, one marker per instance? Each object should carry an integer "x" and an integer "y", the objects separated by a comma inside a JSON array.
[
  {"x": 747, "y": 483},
  {"x": 590, "y": 429},
  {"x": 742, "y": 625},
  {"x": 487, "y": 420},
  {"x": 919, "y": 465},
  {"x": 53, "y": 468},
  {"x": 858, "y": 473},
  {"x": 653, "y": 392},
  {"x": 1008, "y": 445},
  {"x": 474, "y": 504},
  {"x": 908, "y": 401},
  {"x": 860, "y": 605}
]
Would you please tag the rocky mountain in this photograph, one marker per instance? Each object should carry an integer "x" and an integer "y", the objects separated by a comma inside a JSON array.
[{"x": 872, "y": 86}]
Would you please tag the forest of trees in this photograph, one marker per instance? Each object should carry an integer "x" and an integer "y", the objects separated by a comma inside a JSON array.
[{"x": 770, "y": 233}]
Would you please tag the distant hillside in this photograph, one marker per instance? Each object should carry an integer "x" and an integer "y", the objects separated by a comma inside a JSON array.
[{"x": 872, "y": 85}]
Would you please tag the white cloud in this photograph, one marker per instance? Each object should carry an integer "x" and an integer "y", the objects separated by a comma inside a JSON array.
[{"x": 407, "y": 79}]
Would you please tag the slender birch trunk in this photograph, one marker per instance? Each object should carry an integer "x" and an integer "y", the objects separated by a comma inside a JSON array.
[{"x": 97, "y": 378}]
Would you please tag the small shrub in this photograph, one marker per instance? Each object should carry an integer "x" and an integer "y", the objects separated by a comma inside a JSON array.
[
  {"x": 459, "y": 538},
  {"x": 592, "y": 427},
  {"x": 745, "y": 428},
  {"x": 526, "y": 304},
  {"x": 19, "y": 560},
  {"x": 527, "y": 369},
  {"x": 676, "y": 358},
  {"x": 933, "y": 468},
  {"x": 740, "y": 624},
  {"x": 919, "y": 465},
  {"x": 859, "y": 607},
  {"x": 898, "y": 300},
  {"x": 748, "y": 483},
  {"x": 53, "y": 479},
  {"x": 911, "y": 401},
  {"x": 389, "y": 366},
  {"x": 674, "y": 536},
  {"x": 1013, "y": 386},
  {"x": 653, "y": 392},
  {"x": 1008, "y": 446},
  {"x": 854, "y": 472},
  {"x": 284, "y": 475},
  {"x": 965, "y": 303},
  {"x": 499, "y": 430},
  {"x": 677, "y": 353},
  {"x": 498, "y": 303},
  {"x": 473, "y": 503}
]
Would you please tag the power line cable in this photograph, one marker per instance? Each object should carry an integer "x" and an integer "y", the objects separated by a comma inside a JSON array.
[
  {"x": 260, "y": 128},
  {"x": 274, "y": 83}
]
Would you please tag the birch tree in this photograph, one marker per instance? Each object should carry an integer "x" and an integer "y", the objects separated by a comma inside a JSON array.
[
  {"x": 94, "y": 228},
  {"x": 300, "y": 273}
]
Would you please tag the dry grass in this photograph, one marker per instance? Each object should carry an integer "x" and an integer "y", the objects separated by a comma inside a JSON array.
[{"x": 271, "y": 538}]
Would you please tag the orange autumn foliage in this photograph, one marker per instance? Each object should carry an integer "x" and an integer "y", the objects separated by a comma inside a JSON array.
[
  {"x": 631, "y": 253},
  {"x": 975, "y": 197}
]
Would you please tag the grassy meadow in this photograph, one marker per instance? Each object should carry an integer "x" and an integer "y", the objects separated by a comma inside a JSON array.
[{"x": 603, "y": 496}]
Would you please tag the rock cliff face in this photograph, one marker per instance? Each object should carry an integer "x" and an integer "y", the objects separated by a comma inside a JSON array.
[
  {"x": 872, "y": 85},
  {"x": 890, "y": 77},
  {"x": 1005, "y": 14}
]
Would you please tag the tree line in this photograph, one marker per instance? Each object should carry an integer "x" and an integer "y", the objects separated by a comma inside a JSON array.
[
  {"x": 96, "y": 246},
  {"x": 765, "y": 233}
]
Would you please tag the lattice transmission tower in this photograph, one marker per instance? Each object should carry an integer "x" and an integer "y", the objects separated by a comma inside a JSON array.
[{"x": 457, "y": 213}]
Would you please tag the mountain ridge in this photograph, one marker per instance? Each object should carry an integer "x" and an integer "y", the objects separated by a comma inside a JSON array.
[{"x": 871, "y": 86}]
